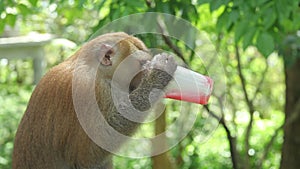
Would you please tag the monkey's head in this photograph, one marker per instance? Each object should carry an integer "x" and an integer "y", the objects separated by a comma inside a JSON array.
[{"x": 116, "y": 52}]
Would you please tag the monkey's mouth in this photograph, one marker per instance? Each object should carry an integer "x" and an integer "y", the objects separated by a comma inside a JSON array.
[{"x": 136, "y": 80}]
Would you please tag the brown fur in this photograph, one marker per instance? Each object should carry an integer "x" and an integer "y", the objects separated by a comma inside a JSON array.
[{"x": 50, "y": 135}]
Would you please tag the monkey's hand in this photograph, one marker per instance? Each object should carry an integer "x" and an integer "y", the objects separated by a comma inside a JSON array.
[{"x": 159, "y": 73}]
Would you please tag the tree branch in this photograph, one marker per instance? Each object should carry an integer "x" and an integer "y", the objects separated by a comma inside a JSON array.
[
  {"x": 148, "y": 3},
  {"x": 242, "y": 78},
  {"x": 168, "y": 41},
  {"x": 268, "y": 147},
  {"x": 232, "y": 140},
  {"x": 260, "y": 83},
  {"x": 250, "y": 107}
]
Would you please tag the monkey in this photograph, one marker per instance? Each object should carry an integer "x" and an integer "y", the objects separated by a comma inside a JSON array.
[{"x": 50, "y": 135}]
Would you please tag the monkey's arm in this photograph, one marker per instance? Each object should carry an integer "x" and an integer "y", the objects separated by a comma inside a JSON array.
[{"x": 159, "y": 73}]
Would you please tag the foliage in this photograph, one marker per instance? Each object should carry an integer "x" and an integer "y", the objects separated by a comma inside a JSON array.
[
  {"x": 13, "y": 103},
  {"x": 249, "y": 26},
  {"x": 261, "y": 23}
]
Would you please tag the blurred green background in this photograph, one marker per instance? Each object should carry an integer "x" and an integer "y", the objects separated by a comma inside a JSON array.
[{"x": 258, "y": 46}]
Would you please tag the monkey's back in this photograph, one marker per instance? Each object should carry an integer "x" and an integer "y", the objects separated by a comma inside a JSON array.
[{"x": 49, "y": 134}]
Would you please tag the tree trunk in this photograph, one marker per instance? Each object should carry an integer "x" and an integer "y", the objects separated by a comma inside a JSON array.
[
  {"x": 291, "y": 145},
  {"x": 161, "y": 161}
]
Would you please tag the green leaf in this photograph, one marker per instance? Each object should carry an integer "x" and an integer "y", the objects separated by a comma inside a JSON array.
[
  {"x": 265, "y": 43},
  {"x": 248, "y": 38},
  {"x": 216, "y": 4},
  {"x": 80, "y": 4},
  {"x": 296, "y": 19},
  {"x": 288, "y": 25},
  {"x": 252, "y": 3},
  {"x": 240, "y": 29},
  {"x": 283, "y": 10},
  {"x": 11, "y": 19},
  {"x": 33, "y": 2},
  {"x": 135, "y": 4},
  {"x": 261, "y": 2},
  {"x": 269, "y": 18},
  {"x": 116, "y": 14},
  {"x": 23, "y": 9},
  {"x": 166, "y": 8},
  {"x": 193, "y": 15},
  {"x": 2, "y": 25},
  {"x": 199, "y": 2},
  {"x": 234, "y": 16},
  {"x": 1, "y": 6},
  {"x": 222, "y": 21}
]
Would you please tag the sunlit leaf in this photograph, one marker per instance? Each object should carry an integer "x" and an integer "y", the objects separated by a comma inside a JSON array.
[
  {"x": 33, "y": 2},
  {"x": 2, "y": 25},
  {"x": 23, "y": 9},
  {"x": 11, "y": 19}
]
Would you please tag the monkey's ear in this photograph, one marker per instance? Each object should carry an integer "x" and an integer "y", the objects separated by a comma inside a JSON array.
[{"x": 106, "y": 52}]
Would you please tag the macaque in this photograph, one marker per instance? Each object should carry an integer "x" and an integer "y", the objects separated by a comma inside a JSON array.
[{"x": 50, "y": 135}]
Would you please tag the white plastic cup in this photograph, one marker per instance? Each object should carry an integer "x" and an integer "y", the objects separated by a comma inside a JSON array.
[{"x": 189, "y": 86}]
